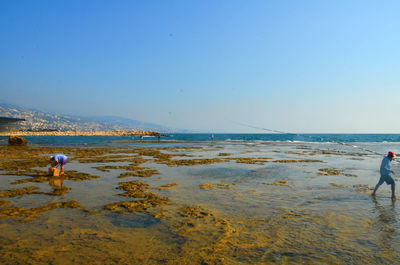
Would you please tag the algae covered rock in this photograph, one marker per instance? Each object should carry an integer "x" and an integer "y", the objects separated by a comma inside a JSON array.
[{"x": 17, "y": 140}]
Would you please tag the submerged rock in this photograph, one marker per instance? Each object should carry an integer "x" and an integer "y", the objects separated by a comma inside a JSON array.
[
  {"x": 329, "y": 172},
  {"x": 216, "y": 186}
]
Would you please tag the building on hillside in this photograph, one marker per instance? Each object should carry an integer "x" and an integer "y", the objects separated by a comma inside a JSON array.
[{"x": 8, "y": 124}]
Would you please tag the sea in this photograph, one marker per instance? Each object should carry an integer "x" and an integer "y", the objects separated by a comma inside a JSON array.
[{"x": 221, "y": 137}]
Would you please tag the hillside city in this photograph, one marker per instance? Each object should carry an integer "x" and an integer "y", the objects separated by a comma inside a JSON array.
[{"x": 41, "y": 121}]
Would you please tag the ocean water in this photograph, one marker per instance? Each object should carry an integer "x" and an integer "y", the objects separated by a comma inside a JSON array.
[
  {"x": 242, "y": 199},
  {"x": 276, "y": 137},
  {"x": 204, "y": 137}
]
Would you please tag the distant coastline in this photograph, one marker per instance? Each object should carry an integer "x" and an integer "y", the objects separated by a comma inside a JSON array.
[{"x": 82, "y": 133}]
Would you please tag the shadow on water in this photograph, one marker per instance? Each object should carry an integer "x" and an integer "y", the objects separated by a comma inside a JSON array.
[
  {"x": 134, "y": 220},
  {"x": 222, "y": 173},
  {"x": 241, "y": 174}
]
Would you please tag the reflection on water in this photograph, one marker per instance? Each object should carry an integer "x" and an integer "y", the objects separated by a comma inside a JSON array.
[
  {"x": 56, "y": 182},
  {"x": 194, "y": 204},
  {"x": 386, "y": 224}
]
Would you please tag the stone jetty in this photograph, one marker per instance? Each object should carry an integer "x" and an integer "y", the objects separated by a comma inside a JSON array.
[{"x": 82, "y": 133}]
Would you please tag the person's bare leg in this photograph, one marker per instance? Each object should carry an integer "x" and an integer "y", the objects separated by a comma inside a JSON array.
[
  {"x": 62, "y": 170},
  {"x": 376, "y": 188},
  {"x": 393, "y": 191}
]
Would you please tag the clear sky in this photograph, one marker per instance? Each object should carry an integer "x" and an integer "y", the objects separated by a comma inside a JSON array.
[{"x": 295, "y": 66}]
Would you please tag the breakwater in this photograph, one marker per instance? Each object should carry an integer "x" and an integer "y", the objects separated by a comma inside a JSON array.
[{"x": 82, "y": 133}]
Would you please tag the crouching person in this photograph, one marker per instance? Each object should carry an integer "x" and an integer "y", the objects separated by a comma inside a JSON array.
[{"x": 59, "y": 159}]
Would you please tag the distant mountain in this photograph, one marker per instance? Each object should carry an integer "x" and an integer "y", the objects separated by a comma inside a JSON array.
[{"x": 38, "y": 121}]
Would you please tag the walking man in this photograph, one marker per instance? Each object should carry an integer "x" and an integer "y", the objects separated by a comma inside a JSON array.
[{"x": 386, "y": 174}]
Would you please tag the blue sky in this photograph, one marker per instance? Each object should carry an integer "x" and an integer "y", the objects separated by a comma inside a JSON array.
[{"x": 295, "y": 66}]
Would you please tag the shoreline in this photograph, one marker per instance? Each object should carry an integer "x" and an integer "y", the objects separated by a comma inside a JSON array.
[{"x": 83, "y": 133}]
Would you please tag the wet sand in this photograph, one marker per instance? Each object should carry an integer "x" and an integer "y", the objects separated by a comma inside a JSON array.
[{"x": 199, "y": 203}]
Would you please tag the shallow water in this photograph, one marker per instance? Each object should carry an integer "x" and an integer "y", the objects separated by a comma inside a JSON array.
[{"x": 194, "y": 203}]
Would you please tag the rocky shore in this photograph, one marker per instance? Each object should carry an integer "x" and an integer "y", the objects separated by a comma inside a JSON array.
[{"x": 82, "y": 133}]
